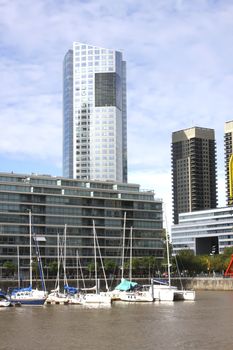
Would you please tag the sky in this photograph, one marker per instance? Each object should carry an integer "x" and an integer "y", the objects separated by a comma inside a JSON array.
[{"x": 179, "y": 57}]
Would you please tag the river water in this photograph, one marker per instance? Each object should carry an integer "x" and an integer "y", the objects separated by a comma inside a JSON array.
[{"x": 203, "y": 324}]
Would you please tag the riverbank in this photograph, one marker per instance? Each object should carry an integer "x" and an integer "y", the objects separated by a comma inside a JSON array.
[{"x": 207, "y": 283}]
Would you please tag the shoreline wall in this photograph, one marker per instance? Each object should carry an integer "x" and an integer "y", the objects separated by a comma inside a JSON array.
[{"x": 205, "y": 283}]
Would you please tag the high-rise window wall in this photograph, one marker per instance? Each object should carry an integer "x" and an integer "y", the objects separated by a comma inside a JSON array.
[
  {"x": 95, "y": 122},
  {"x": 228, "y": 145},
  {"x": 56, "y": 203},
  {"x": 193, "y": 170}
]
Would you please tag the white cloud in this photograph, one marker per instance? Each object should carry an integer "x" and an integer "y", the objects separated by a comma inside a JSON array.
[{"x": 179, "y": 67}]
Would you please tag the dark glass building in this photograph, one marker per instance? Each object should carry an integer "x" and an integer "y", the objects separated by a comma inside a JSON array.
[
  {"x": 228, "y": 147},
  {"x": 78, "y": 205},
  {"x": 193, "y": 170}
]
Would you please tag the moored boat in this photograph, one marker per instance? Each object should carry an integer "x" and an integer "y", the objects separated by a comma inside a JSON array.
[
  {"x": 93, "y": 295},
  {"x": 142, "y": 294},
  {"x": 4, "y": 301},
  {"x": 95, "y": 298},
  {"x": 28, "y": 296}
]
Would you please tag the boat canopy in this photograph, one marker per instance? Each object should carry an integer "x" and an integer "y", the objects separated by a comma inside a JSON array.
[
  {"x": 126, "y": 285},
  {"x": 70, "y": 290}
]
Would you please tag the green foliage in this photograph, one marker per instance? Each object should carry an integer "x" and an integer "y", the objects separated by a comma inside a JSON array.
[
  {"x": 145, "y": 266},
  {"x": 228, "y": 251},
  {"x": 10, "y": 267},
  {"x": 35, "y": 268},
  {"x": 52, "y": 267},
  {"x": 218, "y": 263},
  {"x": 187, "y": 261},
  {"x": 91, "y": 267},
  {"x": 110, "y": 266},
  {"x": 203, "y": 263}
]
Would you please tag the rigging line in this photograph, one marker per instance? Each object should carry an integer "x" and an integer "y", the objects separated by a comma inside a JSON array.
[
  {"x": 39, "y": 263},
  {"x": 101, "y": 260},
  {"x": 178, "y": 270},
  {"x": 81, "y": 270}
]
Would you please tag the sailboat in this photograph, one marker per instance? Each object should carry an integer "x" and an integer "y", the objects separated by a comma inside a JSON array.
[
  {"x": 125, "y": 285},
  {"x": 165, "y": 291},
  {"x": 55, "y": 296},
  {"x": 184, "y": 294},
  {"x": 30, "y": 296},
  {"x": 96, "y": 297},
  {"x": 74, "y": 296},
  {"x": 140, "y": 294}
]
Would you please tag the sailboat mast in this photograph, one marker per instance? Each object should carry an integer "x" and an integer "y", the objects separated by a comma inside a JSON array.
[
  {"x": 168, "y": 260},
  {"x": 58, "y": 262},
  {"x": 18, "y": 266},
  {"x": 168, "y": 253},
  {"x": 30, "y": 245},
  {"x": 94, "y": 233},
  {"x": 64, "y": 262},
  {"x": 77, "y": 259},
  {"x": 130, "y": 260},
  {"x": 123, "y": 247},
  {"x": 101, "y": 260}
]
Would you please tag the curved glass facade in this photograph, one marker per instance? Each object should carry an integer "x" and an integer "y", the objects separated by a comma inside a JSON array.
[{"x": 94, "y": 115}]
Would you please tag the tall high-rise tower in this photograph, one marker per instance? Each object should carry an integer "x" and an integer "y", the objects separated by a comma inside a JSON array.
[
  {"x": 193, "y": 170},
  {"x": 94, "y": 114},
  {"x": 228, "y": 147}
]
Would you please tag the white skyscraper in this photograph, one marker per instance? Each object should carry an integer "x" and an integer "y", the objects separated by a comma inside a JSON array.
[{"x": 94, "y": 114}]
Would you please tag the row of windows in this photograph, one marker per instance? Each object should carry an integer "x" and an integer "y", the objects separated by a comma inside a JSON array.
[
  {"x": 32, "y": 199},
  {"x": 103, "y": 63},
  {"x": 95, "y": 57},
  {"x": 83, "y": 47},
  {"x": 76, "y": 192}
]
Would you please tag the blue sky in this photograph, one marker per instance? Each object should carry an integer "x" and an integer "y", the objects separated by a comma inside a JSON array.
[{"x": 179, "y": 57}]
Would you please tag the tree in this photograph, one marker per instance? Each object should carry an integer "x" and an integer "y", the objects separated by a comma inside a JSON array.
[
  {"x": 186, "y": 261},
  {"x": 218, "y": 263},
  {"x": 110, "y": 266},
  {"x": 228, "y": 251},
  {"x": 91, "y": 268},
  {"x": 148, "y": 264},
  {"x": 10, "y": 268},
  {"x": 52, "y": 267}
]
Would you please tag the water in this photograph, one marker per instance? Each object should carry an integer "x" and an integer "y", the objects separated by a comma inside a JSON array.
[{"x": 203, "y": 324}]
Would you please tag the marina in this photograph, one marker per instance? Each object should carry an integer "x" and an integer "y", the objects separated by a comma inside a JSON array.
[{"x": 204, "y": 324}]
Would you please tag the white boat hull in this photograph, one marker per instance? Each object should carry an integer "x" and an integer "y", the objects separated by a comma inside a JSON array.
[
  {"x": 166, "y": 293},
  {"x": 32, "y": 297},
  {"x": 185, "y": 295},
  {"x": 136, "y": 297},
  {"x": 56, "y": 297},
  {"x": 5, "y": 303},
  {"x": 95, "y": 299},
  {"x": 115, "y": 294},
  {"x": 75, "y": 300}
]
